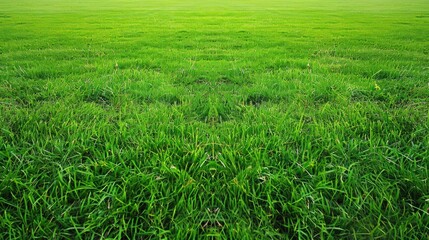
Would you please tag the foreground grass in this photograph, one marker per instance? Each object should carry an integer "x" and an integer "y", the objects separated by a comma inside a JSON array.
[{"x": 234, "y": 120}]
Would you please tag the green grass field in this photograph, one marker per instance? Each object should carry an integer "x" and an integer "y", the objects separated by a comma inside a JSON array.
[{"x": 132, "y": 119}]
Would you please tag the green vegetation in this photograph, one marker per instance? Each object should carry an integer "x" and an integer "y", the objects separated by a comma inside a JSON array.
[{"x": 225, "y": 120}]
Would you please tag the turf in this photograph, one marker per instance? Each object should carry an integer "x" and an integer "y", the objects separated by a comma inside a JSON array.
[{"x": 218, "y": 120}]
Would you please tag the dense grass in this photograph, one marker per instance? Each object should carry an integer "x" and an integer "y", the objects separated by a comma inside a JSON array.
[{"x": 228, "y": 119}]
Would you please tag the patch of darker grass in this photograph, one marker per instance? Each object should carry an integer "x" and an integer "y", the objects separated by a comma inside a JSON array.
[
  {"x": 383, "y": 75},
  {"x": 201, "y": 80},
  {"x": 324, "y": 53},
  {"x": 256, "y": 99},
  {"x": 170, "y": 99},
  {"x": 225, "y": 80},
  {"x": 101, "y": 96},
  {"x": 140, "y": 65},
  {"x": 325, "y": 94},
  {"x": 359, "y": 95}
]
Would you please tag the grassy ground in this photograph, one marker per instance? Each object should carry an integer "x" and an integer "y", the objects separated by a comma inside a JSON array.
[{"x": 228, "y": 119}]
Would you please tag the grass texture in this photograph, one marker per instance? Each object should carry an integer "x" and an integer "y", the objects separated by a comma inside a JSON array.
[{"x": 216, "y": 120}]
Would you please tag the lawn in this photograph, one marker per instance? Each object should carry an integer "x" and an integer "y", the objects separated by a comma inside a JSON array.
[{"x": 132, "y": 119}]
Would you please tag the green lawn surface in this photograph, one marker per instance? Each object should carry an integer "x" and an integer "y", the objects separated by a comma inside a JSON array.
[{"x": 131, "y": 119}]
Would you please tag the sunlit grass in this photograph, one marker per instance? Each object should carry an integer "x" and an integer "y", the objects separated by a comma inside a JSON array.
[{"x": 229, "y": 120}]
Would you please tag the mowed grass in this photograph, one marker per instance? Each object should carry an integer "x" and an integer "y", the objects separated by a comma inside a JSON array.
[{"x": 220, "y": 120}]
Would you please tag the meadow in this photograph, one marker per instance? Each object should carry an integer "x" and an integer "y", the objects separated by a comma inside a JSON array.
[{"x": 128, "y": 119}]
